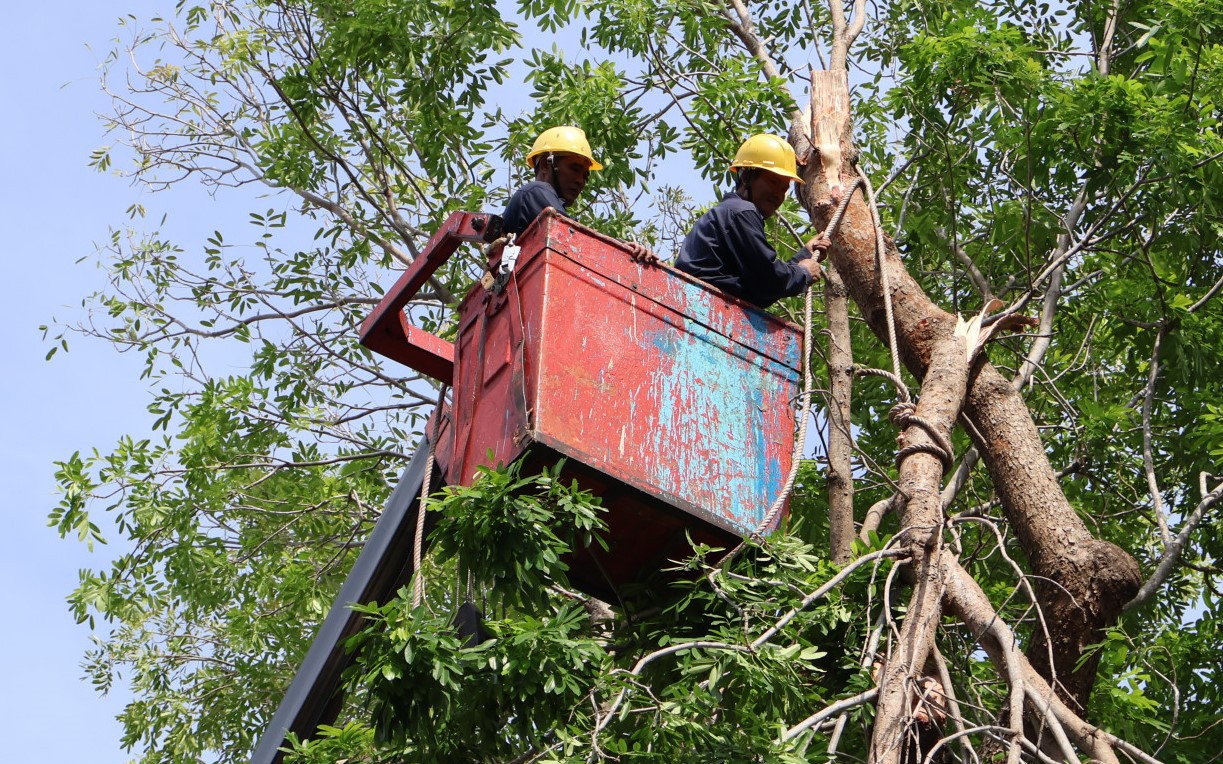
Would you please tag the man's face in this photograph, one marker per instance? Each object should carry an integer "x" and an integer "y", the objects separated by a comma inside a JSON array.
[
  {"x": 768, "y": 191},
  {"x": 572, "y": 170}
]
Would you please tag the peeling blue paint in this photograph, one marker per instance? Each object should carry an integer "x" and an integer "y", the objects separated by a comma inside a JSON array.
[{"x": 703, "y": 404}]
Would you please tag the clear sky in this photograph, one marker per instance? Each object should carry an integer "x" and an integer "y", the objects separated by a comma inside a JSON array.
[{"x": 53, "y": 207}]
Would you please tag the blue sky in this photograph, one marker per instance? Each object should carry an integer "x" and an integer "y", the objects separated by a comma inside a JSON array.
[{"x": 53, "y": 207}]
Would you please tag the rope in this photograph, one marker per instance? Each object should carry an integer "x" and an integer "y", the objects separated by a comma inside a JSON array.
[
  {"x": 418, "y": 541},
  {"x": 883, "y": 273},
  {"x": 897, "y": 382},
  {"x": 805, "y": 399},
  {"x": 903, "y": 415},
  {"x": 804, "y": 414}
]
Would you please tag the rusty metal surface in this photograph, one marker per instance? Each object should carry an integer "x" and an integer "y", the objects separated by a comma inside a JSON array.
[
  {"x": 386, "y": 330},
  {"x": 668, "y": 398},
  {"x": 654, "y": 379}
]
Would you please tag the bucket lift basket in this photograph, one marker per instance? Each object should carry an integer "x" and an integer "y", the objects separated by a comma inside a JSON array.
[{"x": 669, "y": 399}]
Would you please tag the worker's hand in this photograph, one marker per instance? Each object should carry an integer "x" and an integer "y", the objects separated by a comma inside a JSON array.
[
  {"x": 493, "y": 251},
  {"x": 818, "y": 246},
  {"x": 813, "y": 267},
  {"x": 642, "y": 254}
]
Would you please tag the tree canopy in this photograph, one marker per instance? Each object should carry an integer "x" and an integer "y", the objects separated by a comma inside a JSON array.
[{"x": 1057, "y": 165}]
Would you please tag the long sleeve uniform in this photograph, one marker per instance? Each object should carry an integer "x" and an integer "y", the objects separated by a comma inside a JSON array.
[
  {"x": 526, "y": 204},
  {"x": 727, "y": 247}
]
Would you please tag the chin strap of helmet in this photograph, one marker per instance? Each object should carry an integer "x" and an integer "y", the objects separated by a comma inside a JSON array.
[
  {"x": 552, "y": 166},
  {"x": 746, "y": 176}
]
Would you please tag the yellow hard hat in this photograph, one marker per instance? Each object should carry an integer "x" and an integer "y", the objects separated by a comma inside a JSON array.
[
  {"x": 767, "y": 152},
  {"x": 567, "y": 139}
]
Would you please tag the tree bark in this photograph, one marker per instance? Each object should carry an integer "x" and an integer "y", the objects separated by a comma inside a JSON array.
[
  {"x": 1083, "y": 581},
  {"x": 921, "y": 517},
  {"x": 840, "y": 437}
]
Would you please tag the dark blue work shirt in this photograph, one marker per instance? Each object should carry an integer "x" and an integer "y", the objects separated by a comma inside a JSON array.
[
  {"x": 727, "y": 248},
  {"x": 526, "y": 204}
]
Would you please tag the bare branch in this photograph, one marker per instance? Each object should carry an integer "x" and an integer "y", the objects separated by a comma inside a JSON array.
[{"x": 1174, "y": 549}]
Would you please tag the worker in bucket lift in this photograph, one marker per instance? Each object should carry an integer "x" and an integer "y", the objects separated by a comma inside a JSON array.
[
  {"x": 727, "y": 246},
  {"x": 562, "y": 161}
]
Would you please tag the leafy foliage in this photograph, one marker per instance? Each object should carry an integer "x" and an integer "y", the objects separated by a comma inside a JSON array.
[
  {"x": 511, "y": 533},
  {"x": 1064, "y": 159},
  {"x": 679, "y": 673}
]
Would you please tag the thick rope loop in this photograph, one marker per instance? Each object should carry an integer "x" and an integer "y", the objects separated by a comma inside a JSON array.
[
  {"x": 901, "y": 414},
  {"x": 904, "y": 415},
  {"x": 901, "y": 390}
]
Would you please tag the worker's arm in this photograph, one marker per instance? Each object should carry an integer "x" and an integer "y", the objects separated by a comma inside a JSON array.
[{"x": 764, "y": 277}]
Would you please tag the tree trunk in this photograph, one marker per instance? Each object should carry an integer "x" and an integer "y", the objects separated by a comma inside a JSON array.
[
  {"x": 921, "y": 516},
  {"x": 840, "y": 437},
  {"x": 1084, "y": 581}
]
